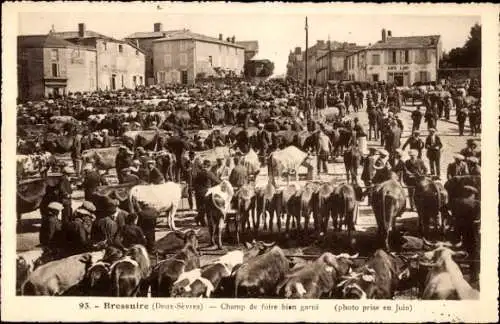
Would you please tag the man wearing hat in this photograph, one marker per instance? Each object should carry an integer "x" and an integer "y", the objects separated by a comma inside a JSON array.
[
  {"x": 458, "y": 167},
  {"x": 393, "y": 137},
  {"x": 51, "y": 227},
  {"x": 433, "y": 146},
  {"x": 65, "y": 191},
  {"x": 106, "y": 140},
  {"x": 76, "y": 154},
  {"x": 416, "y": 117},
  {"x": 154, "y": 175},
  {"x": 473, "y": 165},
  {"x": 129, "y": 178},
  {"x": 462, "y": 114},
  {"x": 263, "y": 140},
  {"x": 431, "y": 117},
  {"x": 414, "y": 168},
  {"x": 204, "y": 180},
  {"x": 471, "y": 149},
  {"x": 415, "y": 143},
  {"x": 123, "y": 160},
  {"x": 91, "y": 180},
  {"x": 397, "y": 164},
  {"x": 77, "y": 234},
  {"x": 368, "y": 168},
  {"x": 382, "y": 167},
  {"x": 110, "y": 220},
  {"x": 178, "y": 145}
]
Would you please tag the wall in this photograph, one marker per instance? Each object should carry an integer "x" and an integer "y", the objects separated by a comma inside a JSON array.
[
  {"x": 30, "y": 73},
  {"x": 171, "y": 68},
  {"x": 225, "y": 57},
  {"x": 81, "y": 70},
  {"x": 146, "y": 44},
  {"x": 125, "y": 65}
]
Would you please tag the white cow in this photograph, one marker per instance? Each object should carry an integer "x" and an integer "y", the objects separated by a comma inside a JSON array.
[{"x": 164, "y": 198}]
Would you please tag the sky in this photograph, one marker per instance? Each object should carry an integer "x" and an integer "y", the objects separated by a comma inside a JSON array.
[{"x": 278, "y": 31}]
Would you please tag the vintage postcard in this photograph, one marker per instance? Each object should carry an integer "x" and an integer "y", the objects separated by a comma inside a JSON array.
[{"x": 210, "y": 162}]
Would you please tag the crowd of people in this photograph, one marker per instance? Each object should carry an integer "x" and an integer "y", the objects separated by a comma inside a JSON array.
[{"x": 101, "y": 221}]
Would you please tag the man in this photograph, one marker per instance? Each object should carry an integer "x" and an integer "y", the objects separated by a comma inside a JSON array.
[
  {"x": 189, "y": 170},
  {"x": 243, "y": 140},
  {"x": 51, "y": 227},
  {"x": 474, "y": 117},
  {"x": 458, "y": 167},
  {"x": 399, "y": 122},
  {"x": 129, "y": 178},
  {"x": 66, "y": 191},
  {"x": 92, "y": 179},
  {"x": 141, "y": 155},
  {"x": 431, "y": 118},
  {"x": 76, "y": 154},
  {"x": 153, "y": 126},
  {"x": 433, "y": 146},
  {"x": 147, "y": 223},
  {"x": 461, "y": 119},
  {"x": 218, "y": 167},
  {"x": 414, "y": 168},
  {"x": 239, "y": 174},
  {"x": 105, "y": 228},
  {"x": 397, "y": 164},
  {"x": 78, "y": 232},
  {"x": 471, "y": 149},
  {"x": 473, "y": 165},
  {"x": 204, "y": 180},
  {"x": 324, "y": 147},
  {"x": 368, "y": 169},
  {"x": 382, "y": 167},
  {"x": 178, "y": 145},
  {"x": 416, "y": 117},
  {"x": 106, "y": 140},
  {"x": 154, "y": 175},
  {"x": 263, "y": 141},
  {"x": 415, "y": 143},
  {"x": 393, "y": 137},
  {"x": 123, "y": 160}
]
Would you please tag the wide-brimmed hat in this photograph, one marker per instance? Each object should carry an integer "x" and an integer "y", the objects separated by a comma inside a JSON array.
[
  {"x": 413, "y": 153},
  {"x": 458, "y": 156},
  {"x": 56, "y": 206},
  {"x": 432, "y": 130},
  {"x": 87, "y": 205},
  {"x": 473, "y": 159},
  {"x": 207, "y": 163},
  {"x": 150, "y": 161},
  {"x": 416, "y": 132},
  {"x": 383, "y": 152},
  {"x": 107, "y": 205}
]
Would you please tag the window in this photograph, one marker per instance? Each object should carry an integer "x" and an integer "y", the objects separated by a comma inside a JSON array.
[
  {"x": 376, "y": 59},
  {"x": 375, "y": 77},
  {"x": 393, "y": 57},
  {"x": 407, "y": 57},
  {"x": 54, "y": 55},
  {"x": 140, "y": 80},
  {"x": 120, "y": 48},
  {"x": 167, "y": 60},
  {"x": 134, "y": 80},
  {"x": 55, "y": 72},
  {"x": 210, "y": 60},
  {"x": 122, "y": 81},
  {"x": 422, "y": 56},
  {"x": 105, "y": 46},
  {"x": 183, "y": 59},
  {"x": 182, "y": 45},
  {"x": 167, "y": 46},
  {"x": 161, "y": 77},
  {"x": 423, "y": 76}
]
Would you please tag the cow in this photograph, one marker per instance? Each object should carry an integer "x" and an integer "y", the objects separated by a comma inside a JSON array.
[
  {"x": 164, "y": 198},
  {"x": 317, "y": 279},
  {"x": 205, "y": 281},
  {"x": 289, "y": 204},
  {"x": 102, "y": 158},
  {"x": 352, "y": 161},
  {"x": 165, "y": 273},
  {"x": 345, "y": 206},
  {"x": 26, "y": 263},
  {"x": 388, "y": 203},
  {"x": 324, "y": 205},
  {"x": 245, "y": 202},
  {"x": 129, "y": 274},
  {"x": 431, "y": 199},
  {"x": 445, "y": 279},
  {"x": 266, "y": 205},
  {"x": 34, "y": 164},
  {"x": 260, "y": 275},
  {"x": 218, "y": 204},
  {"x": 379, "y": 278},
  {"x": 287, "y": 160},
  {"x": 307, "y": 203},
  {"x": 97, "y": 280},
  {"x": 58, "y": 277}
]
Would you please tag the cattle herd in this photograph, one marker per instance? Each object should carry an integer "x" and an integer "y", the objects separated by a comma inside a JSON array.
[{"x": 267, "y": 124}]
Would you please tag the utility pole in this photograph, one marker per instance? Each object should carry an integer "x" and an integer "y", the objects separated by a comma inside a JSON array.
[
  {"x": 305, "y": 67},
  {"x": 329, "y": 59}
]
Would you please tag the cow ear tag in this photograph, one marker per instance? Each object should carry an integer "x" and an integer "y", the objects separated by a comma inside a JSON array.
[{"x": 368, "y": 278}]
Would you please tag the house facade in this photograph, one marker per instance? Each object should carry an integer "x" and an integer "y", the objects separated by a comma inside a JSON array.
[
  {"x": 332, "y": 65},
  {"x": 50, "y": 66},
  {"x": 185, "y": 57},
  {"x": 399, "y": 60}
]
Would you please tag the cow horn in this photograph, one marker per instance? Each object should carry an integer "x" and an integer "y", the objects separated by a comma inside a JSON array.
[
  {"x": 458, "y": 245},
  {"x": 268, "y": 244},
  {"x": 428, "y": 243},
  {"x": 427, "y": 264},
  {"x": 354, "y": 256}
]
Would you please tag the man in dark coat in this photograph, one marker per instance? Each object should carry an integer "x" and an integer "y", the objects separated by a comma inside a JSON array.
[
  {"x": 92, "y": 179},
  {"x": 263, "y": 140},
  {"x": 130, "y": 234},
  {"x": 415, "y": 143},
  {"x": 457, "y": 168},
  {"x": 66, "y": 191},
  {"x": 461, "y": 119},
  {"x": 106, "y": 140},
  {"x": 416, "y": 117},
  {"x": 178, "y": 145},
  {"x": 368, "y": 170},
  {"x": 147, "y": 222},
  {"x": 189, "y": 170},
  {"x": 51, "y": 229},
  {"x": 155, "y": 176},
  {"x": 129, "y": 178},
  {"x": 77, "y": 234},
  {"x": 123, "y": 160},
  {"x": 414, "y": 168},
  {"x": 393, "y": 138},
  {"x": 110, "y": 221},
  {"x": 204, "y": 180},
  {"x": 433, "y": 145},
  {"x": 76, "y": 154}
]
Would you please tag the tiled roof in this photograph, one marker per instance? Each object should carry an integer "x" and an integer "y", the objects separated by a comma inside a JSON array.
[
  {"x": 48, "y": 40},
  {"x": 92, "y": 34},
  {"x": 343, "y": 51},
  {"x": 249, "y": 45},
  {"x": 407, "y": 42},
  {"x": 159, "y": 34},
  {"x": 190, "y": 35}
]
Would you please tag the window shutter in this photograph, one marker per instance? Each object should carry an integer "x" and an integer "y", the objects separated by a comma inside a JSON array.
[{"x": 417, "y": 77}]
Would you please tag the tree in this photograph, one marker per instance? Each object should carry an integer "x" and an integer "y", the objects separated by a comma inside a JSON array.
[
  {"x": 258, "y": 68},
  {"x": 467, "y": 56}
]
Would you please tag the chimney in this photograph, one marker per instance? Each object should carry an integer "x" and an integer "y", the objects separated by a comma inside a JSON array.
[
  {"x": 228, "y": 39},
  {"x": 157, "y": 27},
  {"x": 384, "y": 38},
  {"x": 81, "y": 30},
  {"x": 220, "y": 37},
  {"x": 389, "y": 33},
  {"x": 233, "y": 39}
]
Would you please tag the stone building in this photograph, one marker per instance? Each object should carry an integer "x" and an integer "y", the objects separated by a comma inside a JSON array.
[
  {"x": 332, "y": 64},
  {"x": 399, "y": 60},
  {"x": 187, "y": 56},
  {"x": 120, "y": 64},
  {"x": 251, "y": 49},
  {"x": 51, "y": 66},
  {"x": 295, "y": 67}
]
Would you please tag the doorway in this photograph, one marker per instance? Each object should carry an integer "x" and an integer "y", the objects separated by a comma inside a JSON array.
[
  {"x": 184, "y": 77},
  {"x": 113, "y": 82}
]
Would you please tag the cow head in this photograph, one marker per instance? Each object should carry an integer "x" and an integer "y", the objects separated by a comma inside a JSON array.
[
  {"x": 189, "y": 237},
  {"x": 255, "y": 248},
  {"x": 358, "y": 285},
  {"x": 439, "y": 255}
]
